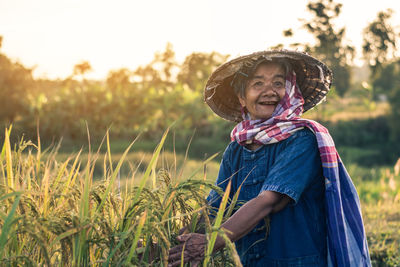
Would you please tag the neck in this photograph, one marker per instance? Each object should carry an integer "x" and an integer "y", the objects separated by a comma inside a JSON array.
[{"x": 253, "y": 146}]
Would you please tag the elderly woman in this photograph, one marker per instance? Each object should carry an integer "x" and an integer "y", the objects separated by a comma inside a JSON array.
[{"x": 286, "y": 168}]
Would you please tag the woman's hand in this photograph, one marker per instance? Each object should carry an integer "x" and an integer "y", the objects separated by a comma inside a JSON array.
[
  {"x": 237, "y": 226},
  {"x": 183, "y": 230},
  {"x": 193, "y": 246}
]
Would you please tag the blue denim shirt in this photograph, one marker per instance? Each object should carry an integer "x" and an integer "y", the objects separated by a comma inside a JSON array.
[{"x": 297, "y": 235}]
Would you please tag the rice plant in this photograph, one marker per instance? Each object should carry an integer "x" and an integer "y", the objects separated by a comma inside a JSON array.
[{"x": 53, "y": 213}]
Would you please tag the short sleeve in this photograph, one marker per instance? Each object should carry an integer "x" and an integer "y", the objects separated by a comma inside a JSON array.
[{"x": 296, "y": 167}]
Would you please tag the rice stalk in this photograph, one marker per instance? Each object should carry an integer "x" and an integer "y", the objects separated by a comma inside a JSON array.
[
  {"x": 7, "y": 151},
  {"x": 63, "y": 217},
  {"x": 136, "y": 238},
  {"x": 153, "y": 161},
  {"x": 8, "y": 223},
  {"x": 217, "y": 224}
]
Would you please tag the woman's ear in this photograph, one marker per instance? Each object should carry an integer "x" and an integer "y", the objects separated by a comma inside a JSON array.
[{"x": 241, "y": 100}]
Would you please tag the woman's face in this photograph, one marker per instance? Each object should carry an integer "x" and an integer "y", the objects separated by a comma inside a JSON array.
[{"x": 264, "y": 91}]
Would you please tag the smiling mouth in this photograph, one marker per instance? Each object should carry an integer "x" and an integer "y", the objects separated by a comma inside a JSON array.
[{"x": 268, "y": 103}]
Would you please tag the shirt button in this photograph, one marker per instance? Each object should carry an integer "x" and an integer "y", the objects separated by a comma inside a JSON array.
[
  {"x": 253, "y": 156},
  {"x": 257, "y": 256}
]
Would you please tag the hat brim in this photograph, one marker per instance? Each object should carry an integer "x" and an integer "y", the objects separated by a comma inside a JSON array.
[{"x": 314, "y": 79}]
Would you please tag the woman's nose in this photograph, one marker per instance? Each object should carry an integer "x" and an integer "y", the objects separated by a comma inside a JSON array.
[{"x": 269, "y": 90}]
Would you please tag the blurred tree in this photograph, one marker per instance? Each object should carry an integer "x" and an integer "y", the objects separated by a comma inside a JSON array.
[
  {"x": 15, "y": 83},
  {"x": 197, "y": 67},
  {"x": 165, "y": 63},
  {"x": 193, "y": 75},
  {"x": 127, "y": 102},
  {"x": 172, "y": 92},
  {"x": 118, "y": 78},
  {"x": 330, "y": 47},
  {"x": 159, "y": 73},
  {"x": 288, "y": 33},
  {"x": 388, "y": 81},
  {"x": 82, "y": 68},
  {"x": 379, "y": 42},
  {"x": 379, "y": 48}
]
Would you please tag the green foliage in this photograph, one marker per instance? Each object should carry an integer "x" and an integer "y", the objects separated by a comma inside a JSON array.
[
  {"x": 380, "y": 46},
  {"x": 381, "y": 207},
  {"x": 380, "y": 40},
  {"x": 388, "y": 81},
  {"x": 197, "y": 67},
  {"x": 382, "y": 223},
  {"x": 15, "y": 83},
  {"x": 365, "y": 142},
  {"x": 82, "y": 68},
  {"x": 330, "y": 47},
  {"x": 146, "y": 100}
]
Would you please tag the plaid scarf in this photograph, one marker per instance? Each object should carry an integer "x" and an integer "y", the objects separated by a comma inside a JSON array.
[{"x": 347, "y": 244}]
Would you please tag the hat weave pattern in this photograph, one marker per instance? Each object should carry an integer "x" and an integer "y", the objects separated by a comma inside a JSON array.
[{"x": 314, "y": 79}]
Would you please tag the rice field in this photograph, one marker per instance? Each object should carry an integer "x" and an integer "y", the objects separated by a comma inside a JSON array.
[
  {"x": 53, "y": 213},
  {"x": 93, "y": 209}
]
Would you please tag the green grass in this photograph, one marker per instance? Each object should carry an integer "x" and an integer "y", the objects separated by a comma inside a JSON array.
[
  {"x": 348, "y": 108},
  {"x": 379, "y": 190},
  {"x": 382, "y": 225}
]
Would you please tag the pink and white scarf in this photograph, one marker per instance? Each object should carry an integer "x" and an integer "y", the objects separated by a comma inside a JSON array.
[{"x": 347, "y": 244}]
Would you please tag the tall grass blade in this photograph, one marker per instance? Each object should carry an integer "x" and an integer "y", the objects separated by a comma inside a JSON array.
[
  {"x": 186, "y": 156},
  {"x": 137, "y": 236},
  {"x": 68, "y": 233},
  {"x": 60, "y": 173},
  {"x": 183, "y": 255},
  {"x": 73, "y": 173},
  {"x": 174, "y": 153},
  {"x": 7, "y": 147},
  {"x": 109, "y": 152},
  {"x": 39, "y": 150},
  {"x": 3, "y": 150},
  {"x": 12, "y": 194},
  {"x": 153, "y": 174},
  {"x": 217, "y": 224},
  {"x": 231, "y": 248},
  {"x": 87, "y": 183},
  {"x": 235, "y": 197},
  {"x": 7, "y": 225},
  {"x": 150, "y": 167},
  {"x": 202, "y": 166},
  {"x": 168, "y": 206},
  {"x": 113, "y": 177},
  {"x": 46, "y": 197}
]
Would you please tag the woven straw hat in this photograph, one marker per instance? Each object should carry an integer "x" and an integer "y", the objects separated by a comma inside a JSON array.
[{"x": 314, "y": 79}]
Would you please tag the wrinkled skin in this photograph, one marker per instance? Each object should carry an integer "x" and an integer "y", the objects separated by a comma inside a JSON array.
[
  {"x": 264, "y": 91},
  {"x": 193, "y": 246}
]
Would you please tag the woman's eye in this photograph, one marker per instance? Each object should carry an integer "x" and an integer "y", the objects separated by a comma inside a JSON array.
[
  {"x": 278, "y": 84},
  {"x": 258, "y": 83}
]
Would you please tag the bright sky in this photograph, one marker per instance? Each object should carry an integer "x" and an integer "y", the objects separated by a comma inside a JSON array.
[{"x": 54, "y": 35}]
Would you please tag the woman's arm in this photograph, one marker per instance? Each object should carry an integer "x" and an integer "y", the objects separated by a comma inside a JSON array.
[
  {"x": 249, "y": 215},
  {"x": 237, "y": 226}
]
